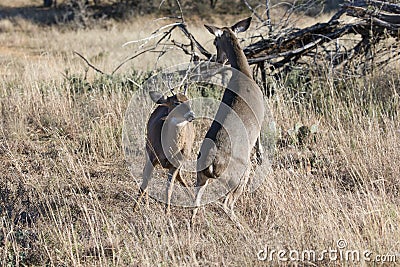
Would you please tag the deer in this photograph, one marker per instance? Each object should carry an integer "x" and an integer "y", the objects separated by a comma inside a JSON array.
[
  {"x": 169, "y": 139},
  {"x": 224, "y": 156}
]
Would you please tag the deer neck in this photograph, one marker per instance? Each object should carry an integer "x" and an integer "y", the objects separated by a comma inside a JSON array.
[{"x": 235, "y": 55}]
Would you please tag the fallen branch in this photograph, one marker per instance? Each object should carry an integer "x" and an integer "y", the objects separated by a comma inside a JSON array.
[{"x": 281, "y": 48}]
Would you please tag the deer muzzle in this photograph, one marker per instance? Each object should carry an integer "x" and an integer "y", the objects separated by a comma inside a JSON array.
[{"x": 189, "y": 116}]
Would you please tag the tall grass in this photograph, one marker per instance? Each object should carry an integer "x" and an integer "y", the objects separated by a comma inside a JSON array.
[{"x": 66, "y": 194}]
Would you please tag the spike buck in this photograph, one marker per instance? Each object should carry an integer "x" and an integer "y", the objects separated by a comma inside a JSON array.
[
  {"x": 229, "y": 156},
  {"x": 169, "y": 140}
]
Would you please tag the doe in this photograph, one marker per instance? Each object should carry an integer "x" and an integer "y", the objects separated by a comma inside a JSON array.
[
  {"x": 170, "y": 136},
  {"x": 233, "y": 136}
]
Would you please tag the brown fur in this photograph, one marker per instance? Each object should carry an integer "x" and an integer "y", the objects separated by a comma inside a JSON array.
[
  {"x": 168, "y": 143},
  {"x": 229, "y": 158}
]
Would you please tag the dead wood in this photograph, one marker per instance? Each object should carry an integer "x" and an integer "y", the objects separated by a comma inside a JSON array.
[{"x": 360, "y": 36}]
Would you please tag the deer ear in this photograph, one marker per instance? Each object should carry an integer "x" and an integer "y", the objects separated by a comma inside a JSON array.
[
  {"x": 157, "y": 97},
  {"x": 241, "y": 26},
  {"x": 214, "y": 30}
]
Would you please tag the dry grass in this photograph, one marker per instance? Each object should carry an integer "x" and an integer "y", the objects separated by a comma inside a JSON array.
[{"x": 66, "y": 194}]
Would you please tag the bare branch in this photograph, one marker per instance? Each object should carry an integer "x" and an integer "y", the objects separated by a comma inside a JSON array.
[
  {"x": 283, "y": 47},
  {"x": 89, "y": 64},
  {"x": 254, "y": 12}
]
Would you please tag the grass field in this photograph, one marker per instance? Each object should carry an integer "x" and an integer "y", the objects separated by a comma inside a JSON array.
[{"x": 67, "y": 196}]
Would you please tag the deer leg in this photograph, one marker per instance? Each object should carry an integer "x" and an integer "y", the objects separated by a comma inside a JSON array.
[
  {"x": 183, "y": 182},
  {"x": 200, "y": 188},
  {"x": 147, "y": 171},
  {"x": 259, "y": 151},
  {"x": 172, "y": 173},
  {"x": 233, "y": 196},
  {"x": 180, "y": 179}
]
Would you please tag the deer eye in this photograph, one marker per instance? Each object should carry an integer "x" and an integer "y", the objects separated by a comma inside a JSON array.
[{"x": 177, "y": 103}]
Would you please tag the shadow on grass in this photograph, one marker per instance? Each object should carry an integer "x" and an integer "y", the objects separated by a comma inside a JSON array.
[
  {"x": 35, "y": 14},
  {"x": 64, "y": 13}
]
